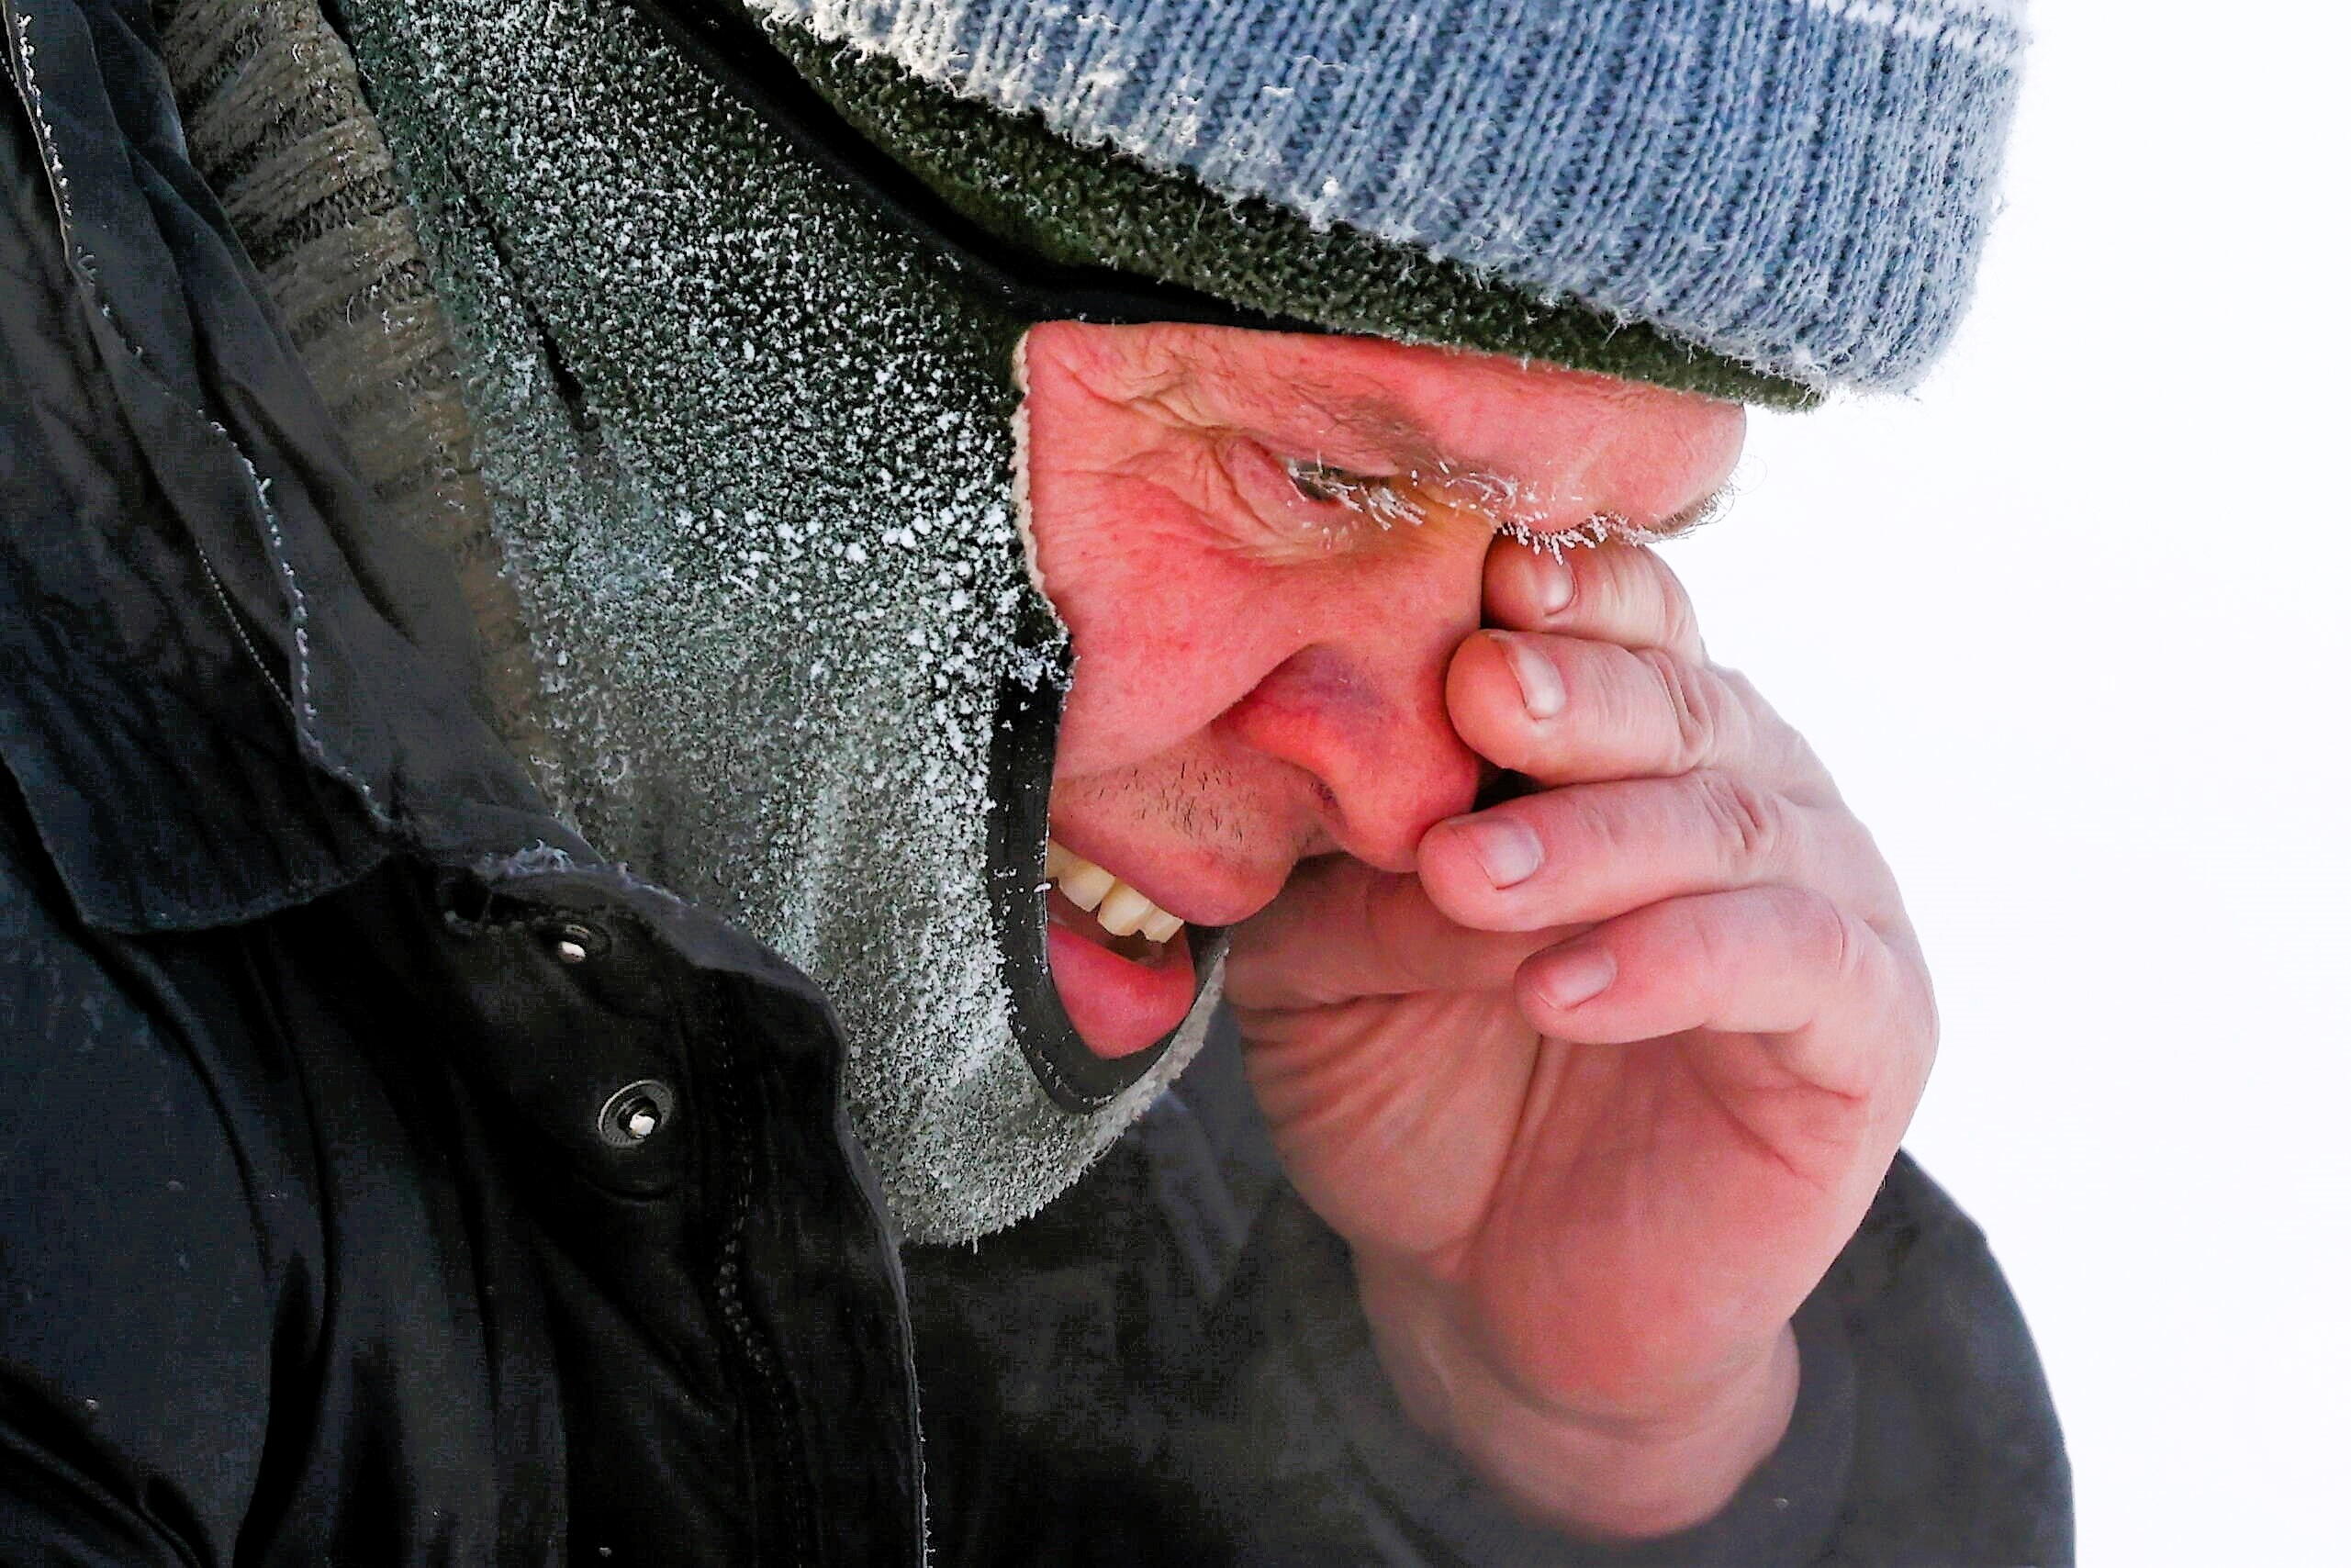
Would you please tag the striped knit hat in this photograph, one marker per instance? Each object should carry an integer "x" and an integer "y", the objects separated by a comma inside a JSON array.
[{"x": 1754, "y": 199}]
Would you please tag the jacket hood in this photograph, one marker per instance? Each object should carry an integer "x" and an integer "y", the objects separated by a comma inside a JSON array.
[{"x": 752, "y": 454}]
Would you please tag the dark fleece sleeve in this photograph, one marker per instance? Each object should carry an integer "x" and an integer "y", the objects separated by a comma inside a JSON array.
[
  {"x": 1171, "y": 1366},
  {"x": 133, "y": 1317}
]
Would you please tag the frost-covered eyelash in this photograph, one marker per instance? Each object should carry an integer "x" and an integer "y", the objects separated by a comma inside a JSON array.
[
  {"x": 1601, "y": 527},
  {"x": 1592, "y": 531},
  {"x": 1380, "y": 499},
  {"x": 1391, "y": 496},
  {"x": 1371, "y": 496}
]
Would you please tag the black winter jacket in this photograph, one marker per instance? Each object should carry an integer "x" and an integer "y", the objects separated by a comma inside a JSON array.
[{"x": 383, "y": 1180}]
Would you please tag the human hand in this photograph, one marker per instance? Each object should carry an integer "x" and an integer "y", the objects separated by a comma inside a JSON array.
[{"x": 1597, "y": 1094}]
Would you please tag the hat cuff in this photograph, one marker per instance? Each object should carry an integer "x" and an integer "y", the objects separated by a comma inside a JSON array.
[
  {"x": 1094, "y": 207},
  {"x": 1801, "y": 186}
]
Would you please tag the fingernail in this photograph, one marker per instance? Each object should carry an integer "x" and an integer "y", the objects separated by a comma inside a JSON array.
[
  {"x": 1575, "y": 976},
  {"x": 1539, "y": 687},
  {"x": 1554, "y": 584},
  {"x": 1508, "y": 850}
]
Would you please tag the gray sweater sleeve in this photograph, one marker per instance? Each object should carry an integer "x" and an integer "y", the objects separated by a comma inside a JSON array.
[{"x": 1171, "y": 1366}]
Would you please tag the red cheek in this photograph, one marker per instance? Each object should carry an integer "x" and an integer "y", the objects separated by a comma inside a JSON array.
[{"x": 1161, "y": 653}]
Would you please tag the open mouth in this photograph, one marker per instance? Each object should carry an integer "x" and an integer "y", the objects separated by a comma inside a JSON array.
[
  {"x": 1096, "y": 1000},
  {"x": 1121, "y": 966}
]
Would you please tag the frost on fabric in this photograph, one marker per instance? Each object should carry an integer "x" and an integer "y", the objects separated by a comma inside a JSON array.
[
  {"x": 536, "y": 860},
  {"x": 750, "y": 461}
]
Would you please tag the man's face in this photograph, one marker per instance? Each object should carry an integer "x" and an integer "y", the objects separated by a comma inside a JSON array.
[{"x": 1267, "y": 548}]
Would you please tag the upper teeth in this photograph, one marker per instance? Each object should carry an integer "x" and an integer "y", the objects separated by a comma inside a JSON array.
[{"x": 1122, "y": 910}]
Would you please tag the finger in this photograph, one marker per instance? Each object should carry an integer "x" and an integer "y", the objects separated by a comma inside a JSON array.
[
  {"x": 1563, "y": 711},
  {"x": 1591, "y": 852},
  {"x": 1341, "y": 930},
  {"x": 1609, "y": 593},
  {"x": 1772, "y": 960}
]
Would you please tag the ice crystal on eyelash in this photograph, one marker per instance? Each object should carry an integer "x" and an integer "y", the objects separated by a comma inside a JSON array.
[
  {"x": 1601, "y": 527},
  {"x": 1374, "y": 496},
  {"x": 1390, "y": 498},
  {"x": 1497, "y": 495},
  {"x": 1592, "y": 531},
  {"x": 1512, "y": 506}
]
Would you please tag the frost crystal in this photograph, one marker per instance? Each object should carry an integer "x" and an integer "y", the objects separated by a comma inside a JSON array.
[{"x": 751, "y": 458}]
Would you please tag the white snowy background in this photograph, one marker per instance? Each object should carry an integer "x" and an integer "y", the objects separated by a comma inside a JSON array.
[{"x": 2070, "y": 625}]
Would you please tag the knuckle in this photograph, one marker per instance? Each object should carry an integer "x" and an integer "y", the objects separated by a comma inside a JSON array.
[
  {"x": 1751, "y": 824},
  {"x": 1844, "y": 945},
  {"x": 1694, "y": 705},
  {"x": 1826, "y": 937},
  {"x": 1595, "y": 828},
  {"x": 1762, "y": 733},
  {"x": 1712, "y": 940},
  {"x": 1677, "y": 618}
]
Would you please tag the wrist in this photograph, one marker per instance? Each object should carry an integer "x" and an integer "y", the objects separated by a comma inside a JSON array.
[{"x": 1631, "y": 1469}]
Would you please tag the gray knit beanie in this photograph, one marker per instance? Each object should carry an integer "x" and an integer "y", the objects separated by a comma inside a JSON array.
[{"x": 1753, "y": 198}]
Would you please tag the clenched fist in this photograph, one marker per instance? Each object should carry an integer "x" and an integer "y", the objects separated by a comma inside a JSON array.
[{"x": 1598, "y": 1091}]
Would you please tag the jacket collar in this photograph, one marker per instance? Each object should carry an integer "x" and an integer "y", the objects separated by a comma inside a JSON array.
[{"x": 223, "y": 688}]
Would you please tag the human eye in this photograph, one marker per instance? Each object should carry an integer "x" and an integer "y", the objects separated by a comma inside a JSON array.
[
  {"x": 1288, "y": 502},
  {"x": 1438, "y": 497},
  {"x": 1384, "y": 500}
]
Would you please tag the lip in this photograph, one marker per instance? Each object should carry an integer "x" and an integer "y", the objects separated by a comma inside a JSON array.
[
  {"x": 1074, "y": 1076},
  {"x": 1119, "y": 1005}
]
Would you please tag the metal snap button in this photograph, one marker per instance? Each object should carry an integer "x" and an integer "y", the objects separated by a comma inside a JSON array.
[
  {"x": 635, "y": 1113},
  {"x": 574, "y": 943}
]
